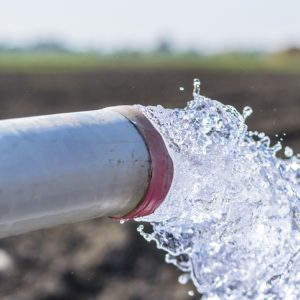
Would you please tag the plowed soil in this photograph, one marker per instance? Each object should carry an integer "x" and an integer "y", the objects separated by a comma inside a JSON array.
[{"x": 102, "y": 259}]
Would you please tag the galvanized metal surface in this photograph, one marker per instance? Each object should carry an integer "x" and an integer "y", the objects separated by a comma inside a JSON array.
[{"x": 65, "y": 168}]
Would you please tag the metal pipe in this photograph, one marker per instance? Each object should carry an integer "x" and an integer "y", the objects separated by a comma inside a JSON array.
[{"x": 65, "y": 168}]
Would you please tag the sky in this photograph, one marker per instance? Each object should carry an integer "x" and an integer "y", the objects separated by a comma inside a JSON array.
[{"x": 211, "y": 25}]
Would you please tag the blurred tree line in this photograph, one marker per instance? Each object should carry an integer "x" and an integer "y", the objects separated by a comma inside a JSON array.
[{"x": 163, "y": 46}]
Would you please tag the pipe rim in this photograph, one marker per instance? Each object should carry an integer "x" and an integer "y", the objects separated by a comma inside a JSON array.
[{"x": 161, "y": 165}]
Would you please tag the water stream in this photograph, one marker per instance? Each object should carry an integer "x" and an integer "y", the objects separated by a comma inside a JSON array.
[{"x": 231, "y": 219}]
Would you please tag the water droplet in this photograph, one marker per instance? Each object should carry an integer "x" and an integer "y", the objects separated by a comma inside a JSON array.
[
  {"x": 140, "y": 228},
  {"x": 122, "y": 221},
  {"x": 6, "y": 261},
  {"x": 288, "y": 152},
  {"x": 196, "y": 91},
  {"x": 247, "y": 111},
  {"x": 191, "y": 293},
  {"x": 181, "y": 88},
  {"x": 183, "y": 278}
]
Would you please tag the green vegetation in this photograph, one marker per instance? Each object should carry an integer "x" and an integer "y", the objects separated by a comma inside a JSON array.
[{"x": 284, "y": 62}]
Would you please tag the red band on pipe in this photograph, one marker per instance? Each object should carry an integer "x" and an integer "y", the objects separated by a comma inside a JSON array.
[{"x": 162, "y": 170}]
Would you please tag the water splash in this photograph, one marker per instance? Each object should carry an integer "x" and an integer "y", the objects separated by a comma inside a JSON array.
[{"x": 231, "y": 219}]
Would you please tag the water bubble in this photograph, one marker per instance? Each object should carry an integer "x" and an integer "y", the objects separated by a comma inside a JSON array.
[
  {"x": 247, "y": 111},
  {"x": 288, "y": 152},
  {"x": 181, "y": 88},
  {"x": 191, "y": 293},
  {"x": 122, "y": 221}
]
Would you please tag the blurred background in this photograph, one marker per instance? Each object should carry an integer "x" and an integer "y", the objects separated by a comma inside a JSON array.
[{"x": 61, "y": 56}]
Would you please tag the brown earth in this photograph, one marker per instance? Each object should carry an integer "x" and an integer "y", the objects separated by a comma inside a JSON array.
[{"x": 102, "y": 259}]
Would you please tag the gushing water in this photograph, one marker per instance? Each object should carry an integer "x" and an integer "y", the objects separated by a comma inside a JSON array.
[{"x": 231, "y": 219}]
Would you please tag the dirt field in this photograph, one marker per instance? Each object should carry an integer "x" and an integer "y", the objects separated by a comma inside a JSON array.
[{"x": 102, "y": 259}]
